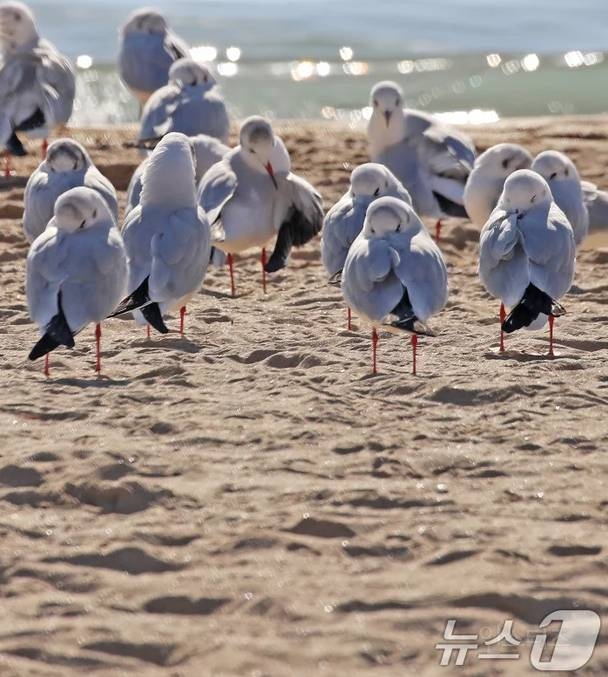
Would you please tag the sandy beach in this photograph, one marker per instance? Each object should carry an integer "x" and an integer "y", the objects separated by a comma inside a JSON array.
[{"x": 248, "y": 500}]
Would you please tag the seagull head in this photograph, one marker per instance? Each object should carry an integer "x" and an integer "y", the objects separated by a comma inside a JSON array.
[
  {"x": 388, "y": 216},
  {"x": 386, "y": 98},
  {"x": 555, "y": 167},
  {"x": 370, "y": 180},
  {"x": 145, "y": 21},
  {"x": 17, "y": 26},
  {"x": 80, "y": 209},
  {"x": 190, "y": 73},
  {"x": 524, "y": 190},
  {"x": 66, "y": 155},
  {"x": 503, "y": 159},
  {"x": 169, "y": 177},
  {"x": 260, "y": 147}
]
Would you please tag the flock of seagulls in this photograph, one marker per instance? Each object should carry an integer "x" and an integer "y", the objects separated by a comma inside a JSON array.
[{"x": 194, "y": 202}]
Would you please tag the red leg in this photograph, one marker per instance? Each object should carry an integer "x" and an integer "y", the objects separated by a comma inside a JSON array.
[
  {"x": 182, "y": 315},
  {"x": 7, "y": 165},
  {"x": 438, "y": 227},
  {"x": 147, "y": 331},
  {"x": 47, "y": 371},
  {"x": 374, "y": 348},
  {"x": 44, "y": 148},
  {"x": 263, "y": 260},
  {"x": 551, "y": 320},
  {"x": 414, "y": 342},
  {"x": 231, "y": 269},
  {"x": 502, "y": 315},
  {"x": 98, "y": 348},
  {"x": 349, "y": 319}
]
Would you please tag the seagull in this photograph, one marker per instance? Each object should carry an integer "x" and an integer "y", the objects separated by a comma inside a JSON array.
[
  {"x": 167, "y": 237},
  {"x": 37, "y": 83},
  {"x": 432, "y": 160},
  {"x": 76, "y": 272},
  {"x": 207, "y": 150},
  {"x": 67, "y": 165},
  {"x": 486, "y": 181},
  {"x": 148, "y": 48},
  {"x": 562, "y": 176},
  {"x": 596, "y": 201},
  {"x": 527, "y": 254},
  {"x": 253, "y": 197},
  {"x": 394, "y": 273},
  {"x": 344, "y": 220},
  {"x": 190, "y": 103}
]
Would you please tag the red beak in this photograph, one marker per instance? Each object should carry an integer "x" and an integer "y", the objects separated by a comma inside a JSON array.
[{"x": 270, "y": 171}]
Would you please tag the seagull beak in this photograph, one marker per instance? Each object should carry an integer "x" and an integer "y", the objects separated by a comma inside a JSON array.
[
  {"x": 387, "y": 116},
  {"x": 270, "y": 171}
]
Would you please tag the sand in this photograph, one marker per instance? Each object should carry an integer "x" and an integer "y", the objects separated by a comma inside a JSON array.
[{"x": 248, "y": 500}]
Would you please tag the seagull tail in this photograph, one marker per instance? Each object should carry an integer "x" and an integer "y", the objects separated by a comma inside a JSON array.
[
  {"x": 58, "y": 333},
  {"x": 140, "y": 297},
  {"x": 532, "y": 304},
  {"x": 154, "y": 317}
]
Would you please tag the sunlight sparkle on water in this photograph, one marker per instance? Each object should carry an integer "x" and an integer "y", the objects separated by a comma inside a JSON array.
[
  {"x": 204, "y": 53},
  {"x": 84, "y": 61}
]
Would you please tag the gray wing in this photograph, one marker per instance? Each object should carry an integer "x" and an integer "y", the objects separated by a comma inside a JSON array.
[
  {"x": 300, "y": 209},
  {"x": 503, "y": 264},
  {"x": 217, "y": 187},
  {"x": 134, "y": 189},
  {"x": 41, "y": 193},
  {"x": 596, "y": 201},
  {"x": 144, "y": 60},
  {"x": 156, "y": 119},
  {"x": 208, "y": 151},
  {"x": 45, "y": 273},
  {"x": 341, "y": 227},
  {"x": 551, "y": 251},
  {"x": 58, "y": 82},
  {"x": 180, "y": 256},
  {"x": 95, "y": 180},
  {"x": 369, "y": 284},
  {"x": 137, "y": 238},
  {"x": 201, "y": 112},
  {"x": 423, "y": 273}
]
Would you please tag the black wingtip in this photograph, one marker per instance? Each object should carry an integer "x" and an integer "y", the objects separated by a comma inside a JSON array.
[
  {"x": 153, "y": 316},
  {"x": 137, "y": 299},
  {"x": 15, "y": 147},
  {"x": 44, "y": 346},
  {"x": 414, "y": 326},
  {"x": 336, "y": 279},
  {"x": 533, "y": 303}
]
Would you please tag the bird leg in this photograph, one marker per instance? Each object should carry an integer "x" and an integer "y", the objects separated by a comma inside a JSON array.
[
  {"x": 263, "y": 261},
  {"x": 551, "y": 320},
  {"x": 502, "y": 315},
  {"x": 231, "y": 269},
  {"x": 438, "y": 227},
  {"x": 7, "y": 165},
  {"x": 349, "y": 319},
  {"x": 47, "y": 371},
  {"x": 98, "y": 348},
  {"x": 44, "y": 148},
  {"x": 414, "y": 342},
  {"x": 182, "y": 315},
  {"x": 147, "y": 331},
  {"x": 374, "y": 348}
]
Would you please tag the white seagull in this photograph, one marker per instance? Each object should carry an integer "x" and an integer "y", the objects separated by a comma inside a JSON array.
[
  {"x": 527, "y": 254},
  {"x": 148, "y": 48},
  {"x": 37, "y": 83},
  {"x": 253, "y": 196},
  {"x": 67, "y": 165},
  {"x": 190, "y": 103},
  {"x": 563, "y": 178},
  {"x": 76, "y": 271},
  {"x": 167, "y": 237},
  {"x": 344, "y": 220},
  {"x": 486, "y": 181},
  {"x": 432, "y": 160},
  {"x": 394, "y": 273},
  {"x": 207, "y": 150}
]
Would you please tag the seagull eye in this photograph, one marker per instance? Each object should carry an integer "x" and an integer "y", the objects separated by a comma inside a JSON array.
[
  {"x": 82, "y": 225},
  {"x": 552, "y": 176},
  {"x": 375, "y": 102},
  {"x": 567, "y": 172},
  {"x": 532, "y": 199},
  {"x": 398, "y": 229},
  {"x": 505, "y": 163},
  {"x": 373, "y": 231},
  {"x": 377, "y": 192},
  {"x": 252, "y": 151},
  {"x": 95, "y": 214},
  {"x": 397, "y": 102}
]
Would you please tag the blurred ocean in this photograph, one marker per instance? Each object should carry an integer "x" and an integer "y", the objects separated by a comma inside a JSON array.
[{"x": 475, "y": 60}]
